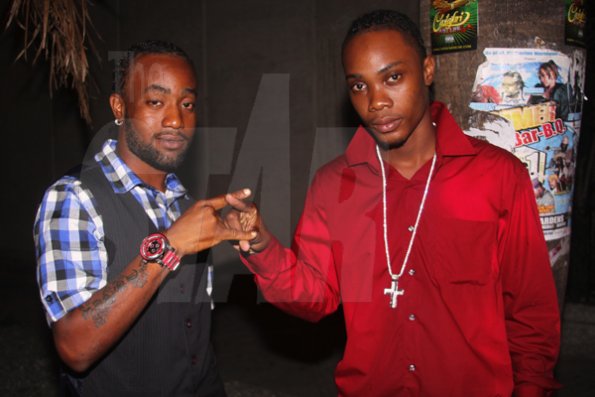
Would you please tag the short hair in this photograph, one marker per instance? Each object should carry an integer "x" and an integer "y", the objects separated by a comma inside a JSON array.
[
  {"x": 122, "y": 65},
  {"x": 516, "y": 76},
  {"x": 388, "y": 20}
]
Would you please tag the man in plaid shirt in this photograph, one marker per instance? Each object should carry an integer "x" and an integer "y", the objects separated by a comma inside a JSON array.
[{"x": 126, "y": 323}]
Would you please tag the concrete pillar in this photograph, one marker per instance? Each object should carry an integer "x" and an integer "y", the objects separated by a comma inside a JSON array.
[{"x": 519, "y": 29}]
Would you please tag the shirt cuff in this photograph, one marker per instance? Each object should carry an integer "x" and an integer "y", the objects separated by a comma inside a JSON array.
[
  {"x": 54, "y": 309},
  {"x": 267, "y": 263}
]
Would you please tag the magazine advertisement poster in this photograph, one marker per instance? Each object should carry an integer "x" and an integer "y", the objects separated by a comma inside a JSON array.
[{"x": 529, "y": 101}]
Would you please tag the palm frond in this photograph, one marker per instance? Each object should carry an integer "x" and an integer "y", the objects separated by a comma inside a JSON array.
[{"x": 58, "y": 30}]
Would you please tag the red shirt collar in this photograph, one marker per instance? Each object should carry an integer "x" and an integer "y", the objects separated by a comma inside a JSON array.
[{"x": 450, "y": 139}]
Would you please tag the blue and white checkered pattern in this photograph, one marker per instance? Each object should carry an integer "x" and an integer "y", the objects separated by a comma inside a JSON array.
[{"x": 69, "y": 235}]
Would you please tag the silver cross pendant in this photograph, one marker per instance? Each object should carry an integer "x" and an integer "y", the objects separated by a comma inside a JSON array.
[{"x": 394, "y": 292}]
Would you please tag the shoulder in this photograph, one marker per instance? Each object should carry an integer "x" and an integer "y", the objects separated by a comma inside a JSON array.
[
  {"x": 68, "y": 186},
  {"x": 561, "y": 89},
  {"x": 499, "y": 161},
  {"x": 65, "y": 196},
  {"x": 333, "y": 171}
]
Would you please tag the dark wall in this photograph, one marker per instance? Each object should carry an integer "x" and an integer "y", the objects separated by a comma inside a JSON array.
[
  {"x": 272, "y": 103},
  {"x": 41, "y": 137},
  {"x": 272, "y": 107}
]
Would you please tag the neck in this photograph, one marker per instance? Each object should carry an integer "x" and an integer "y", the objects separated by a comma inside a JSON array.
[
  {"x": 415, "y": 152},
  {"x": 148, "y": 174},
  {"x": 153, "y": 178}
]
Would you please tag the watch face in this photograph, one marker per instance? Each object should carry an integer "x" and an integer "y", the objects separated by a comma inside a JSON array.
[{"x": 153, "y": 247}]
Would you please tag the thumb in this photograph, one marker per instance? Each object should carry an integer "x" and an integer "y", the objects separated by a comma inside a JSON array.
[
  {"x": 221, "y": 201},
  {"x": 236, "y": 199}
]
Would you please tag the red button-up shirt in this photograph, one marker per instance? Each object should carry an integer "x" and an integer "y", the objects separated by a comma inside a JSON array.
[{"x": 479, "y": 315}]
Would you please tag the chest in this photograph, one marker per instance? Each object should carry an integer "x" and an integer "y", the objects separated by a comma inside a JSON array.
[{"x": 456, "y": 238}]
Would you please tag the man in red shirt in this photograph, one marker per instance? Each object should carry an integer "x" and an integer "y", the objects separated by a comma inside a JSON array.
[{"x": 429, "y": 238}]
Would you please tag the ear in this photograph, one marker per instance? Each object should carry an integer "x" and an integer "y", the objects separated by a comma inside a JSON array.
[
  {"x": 118, "y": 106},
  {"x": 428, "y": 68}
]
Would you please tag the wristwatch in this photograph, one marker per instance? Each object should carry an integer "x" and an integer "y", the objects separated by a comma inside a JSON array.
[{"x": 156, "y": 248}]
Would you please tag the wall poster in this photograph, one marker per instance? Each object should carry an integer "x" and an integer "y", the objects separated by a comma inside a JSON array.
[
  {"x": 453, "y": 25},
  {"x": 529, "y": 101},
  {"x": 574, "y": 23}
]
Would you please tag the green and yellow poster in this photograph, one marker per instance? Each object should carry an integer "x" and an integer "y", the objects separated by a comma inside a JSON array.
[
  {"x": 574, "y": 24},
  {"x": 454, "y": 25}
]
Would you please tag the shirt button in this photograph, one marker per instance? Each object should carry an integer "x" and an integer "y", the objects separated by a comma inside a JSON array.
[
  {"x": 411, "y": 368},
  {"x": 188, "y": 323},
  {"x": 411, "y": 228},
  {"x": 412, "y": 317},
  {"x": 412, "y": 272}
]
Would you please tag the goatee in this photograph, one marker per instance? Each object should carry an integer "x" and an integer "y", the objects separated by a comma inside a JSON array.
[{"x": 149, "y": 154}]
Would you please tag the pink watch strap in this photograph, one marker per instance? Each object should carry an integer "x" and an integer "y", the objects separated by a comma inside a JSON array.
[{"x": 171, "y": 260}]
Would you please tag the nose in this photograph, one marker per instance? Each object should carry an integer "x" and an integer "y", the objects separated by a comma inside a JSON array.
[
  {"x": 172, "y": 118},
  {"x": 379, "y": 100}
]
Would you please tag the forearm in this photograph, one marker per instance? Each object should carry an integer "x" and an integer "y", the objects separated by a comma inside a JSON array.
[
  {"x": 87, "y": 332},
  {"x": 530, "y": 299},
  {"x": 304, "y": 288}
]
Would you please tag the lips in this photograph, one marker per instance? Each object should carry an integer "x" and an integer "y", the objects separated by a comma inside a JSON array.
[
  {"x": 386, "y": 124},
  {"x": 172, "y": 141}
]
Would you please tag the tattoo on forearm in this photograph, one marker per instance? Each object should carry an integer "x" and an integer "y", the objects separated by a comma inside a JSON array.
[
  {"x": 138, "y": 277},
  {"x": 98, "y": 308}
]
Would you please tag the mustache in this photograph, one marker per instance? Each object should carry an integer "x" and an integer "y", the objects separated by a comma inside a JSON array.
[
  {"x": 160, "y": 134},
  {"x": 175, "y": 134}
]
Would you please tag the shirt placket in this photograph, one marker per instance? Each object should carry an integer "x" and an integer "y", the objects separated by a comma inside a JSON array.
[
  {"x": 162, "y": 215},
  {"x": 407, "y": 197}
]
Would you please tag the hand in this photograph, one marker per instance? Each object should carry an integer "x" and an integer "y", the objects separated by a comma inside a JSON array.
[
  {"x": 246, "y": 217},
  {"x": 201, "y": 227}
]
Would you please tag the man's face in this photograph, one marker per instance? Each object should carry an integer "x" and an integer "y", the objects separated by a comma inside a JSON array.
[
  {"x": 510, "y": 88},
  {"x": 388, "y": 85},
  {"x": 160, "y": 118},
  {"x": 547, "y": 78}
]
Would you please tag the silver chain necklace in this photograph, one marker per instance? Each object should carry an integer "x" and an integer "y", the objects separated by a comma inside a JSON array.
[{"x": 394, "y": 290}]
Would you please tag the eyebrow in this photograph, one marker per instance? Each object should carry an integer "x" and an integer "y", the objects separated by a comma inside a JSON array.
[
  {"x": 380, "y": 71},
  {"x": 389, "y": 66},
  {"x": 190, "y": 91},
  {"x": 164, "y": 90},
  {"x": 157, "y": 87}
]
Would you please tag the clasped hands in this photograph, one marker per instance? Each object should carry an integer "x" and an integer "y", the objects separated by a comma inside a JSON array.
[
  {"x": 245, "y": 217},
  {"x": 202, "y": 226}
]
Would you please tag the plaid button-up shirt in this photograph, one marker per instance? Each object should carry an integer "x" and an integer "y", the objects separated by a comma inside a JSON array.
[{"x": 69, "y": 235}]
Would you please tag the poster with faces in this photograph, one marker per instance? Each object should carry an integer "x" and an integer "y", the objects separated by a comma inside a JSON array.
[{"x": 529, "y": 102}]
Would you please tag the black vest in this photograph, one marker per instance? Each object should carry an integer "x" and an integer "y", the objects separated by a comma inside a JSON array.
[{"x": 167, "y": 351}]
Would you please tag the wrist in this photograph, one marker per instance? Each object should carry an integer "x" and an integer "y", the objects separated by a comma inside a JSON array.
[
  {"x": 260, "y": 242},
  {"x": 157, "y": 248},
  {"x": 175, "y": 243}
]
